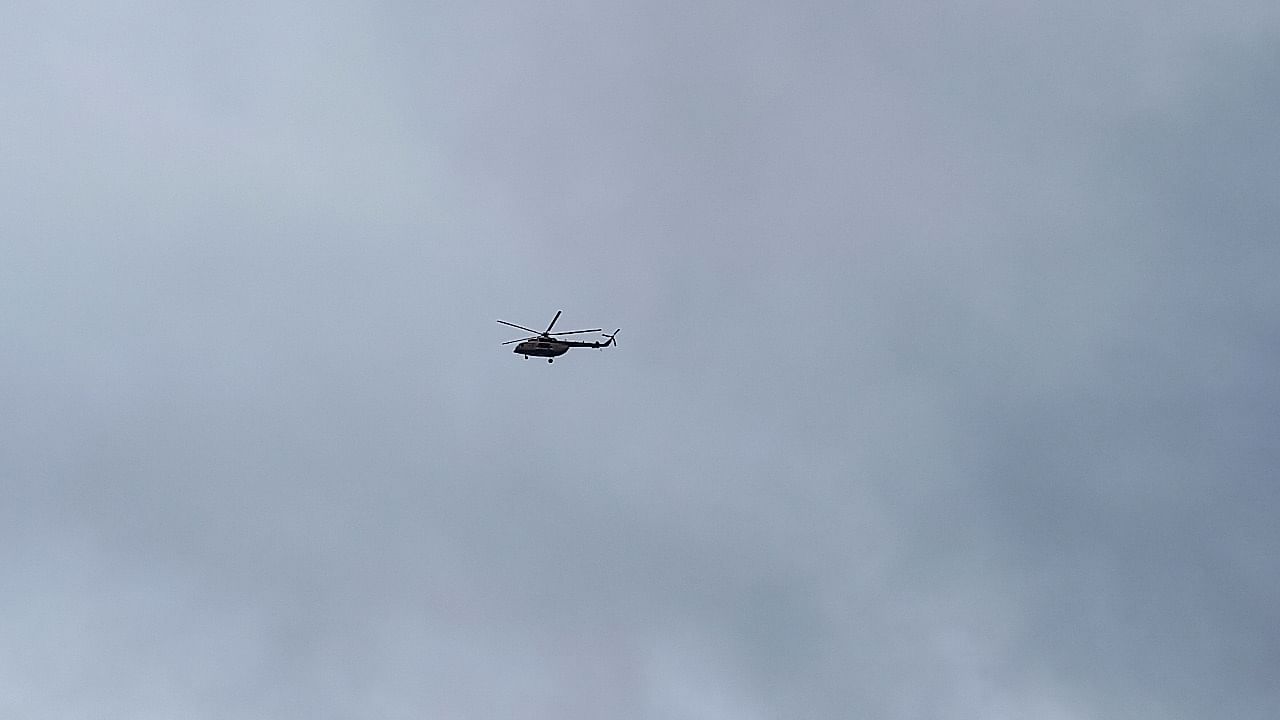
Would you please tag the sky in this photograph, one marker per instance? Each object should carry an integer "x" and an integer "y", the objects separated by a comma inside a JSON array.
[{"x": 945, "y": 387}]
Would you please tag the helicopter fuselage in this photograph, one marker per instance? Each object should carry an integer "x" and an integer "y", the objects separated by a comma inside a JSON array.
[{"x": 541, "y": 348}]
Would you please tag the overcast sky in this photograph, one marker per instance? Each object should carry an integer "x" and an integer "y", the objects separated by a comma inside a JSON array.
[{"x": 946, "y": 384}]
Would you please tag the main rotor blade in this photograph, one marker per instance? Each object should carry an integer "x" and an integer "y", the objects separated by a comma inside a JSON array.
[
  {"x": 521, "y": 327},
  {"x": 519, "y": 340},
  {"x": 574, "y": 332},
  {"x": 553, "y": 323}
]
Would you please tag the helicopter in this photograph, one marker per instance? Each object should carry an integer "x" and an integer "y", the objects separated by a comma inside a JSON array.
[{"x": 544, "y": 344}]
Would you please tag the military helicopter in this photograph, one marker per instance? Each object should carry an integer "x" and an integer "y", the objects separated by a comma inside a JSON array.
[{"x": 544, "y": 344}]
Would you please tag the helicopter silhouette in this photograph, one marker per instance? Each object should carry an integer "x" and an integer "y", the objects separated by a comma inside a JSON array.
[{"x": 545, "y": 344}]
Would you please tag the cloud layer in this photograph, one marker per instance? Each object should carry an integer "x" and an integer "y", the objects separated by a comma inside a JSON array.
[{"x": 945, "y": 386}]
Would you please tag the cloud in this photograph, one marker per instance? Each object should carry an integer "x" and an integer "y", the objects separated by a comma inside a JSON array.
[{"x": 944, "y": 386}]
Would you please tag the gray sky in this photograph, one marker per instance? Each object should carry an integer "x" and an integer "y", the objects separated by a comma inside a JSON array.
[{"x": 946, "y": 385}]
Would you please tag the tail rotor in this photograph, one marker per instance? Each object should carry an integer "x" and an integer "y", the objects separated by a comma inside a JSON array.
[{"x": 612, "y": 339}]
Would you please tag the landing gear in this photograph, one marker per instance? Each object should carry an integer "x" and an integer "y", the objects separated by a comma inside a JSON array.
[
  {"x": 526, "y": 357},
  {"x": 551, "y": 359}
]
